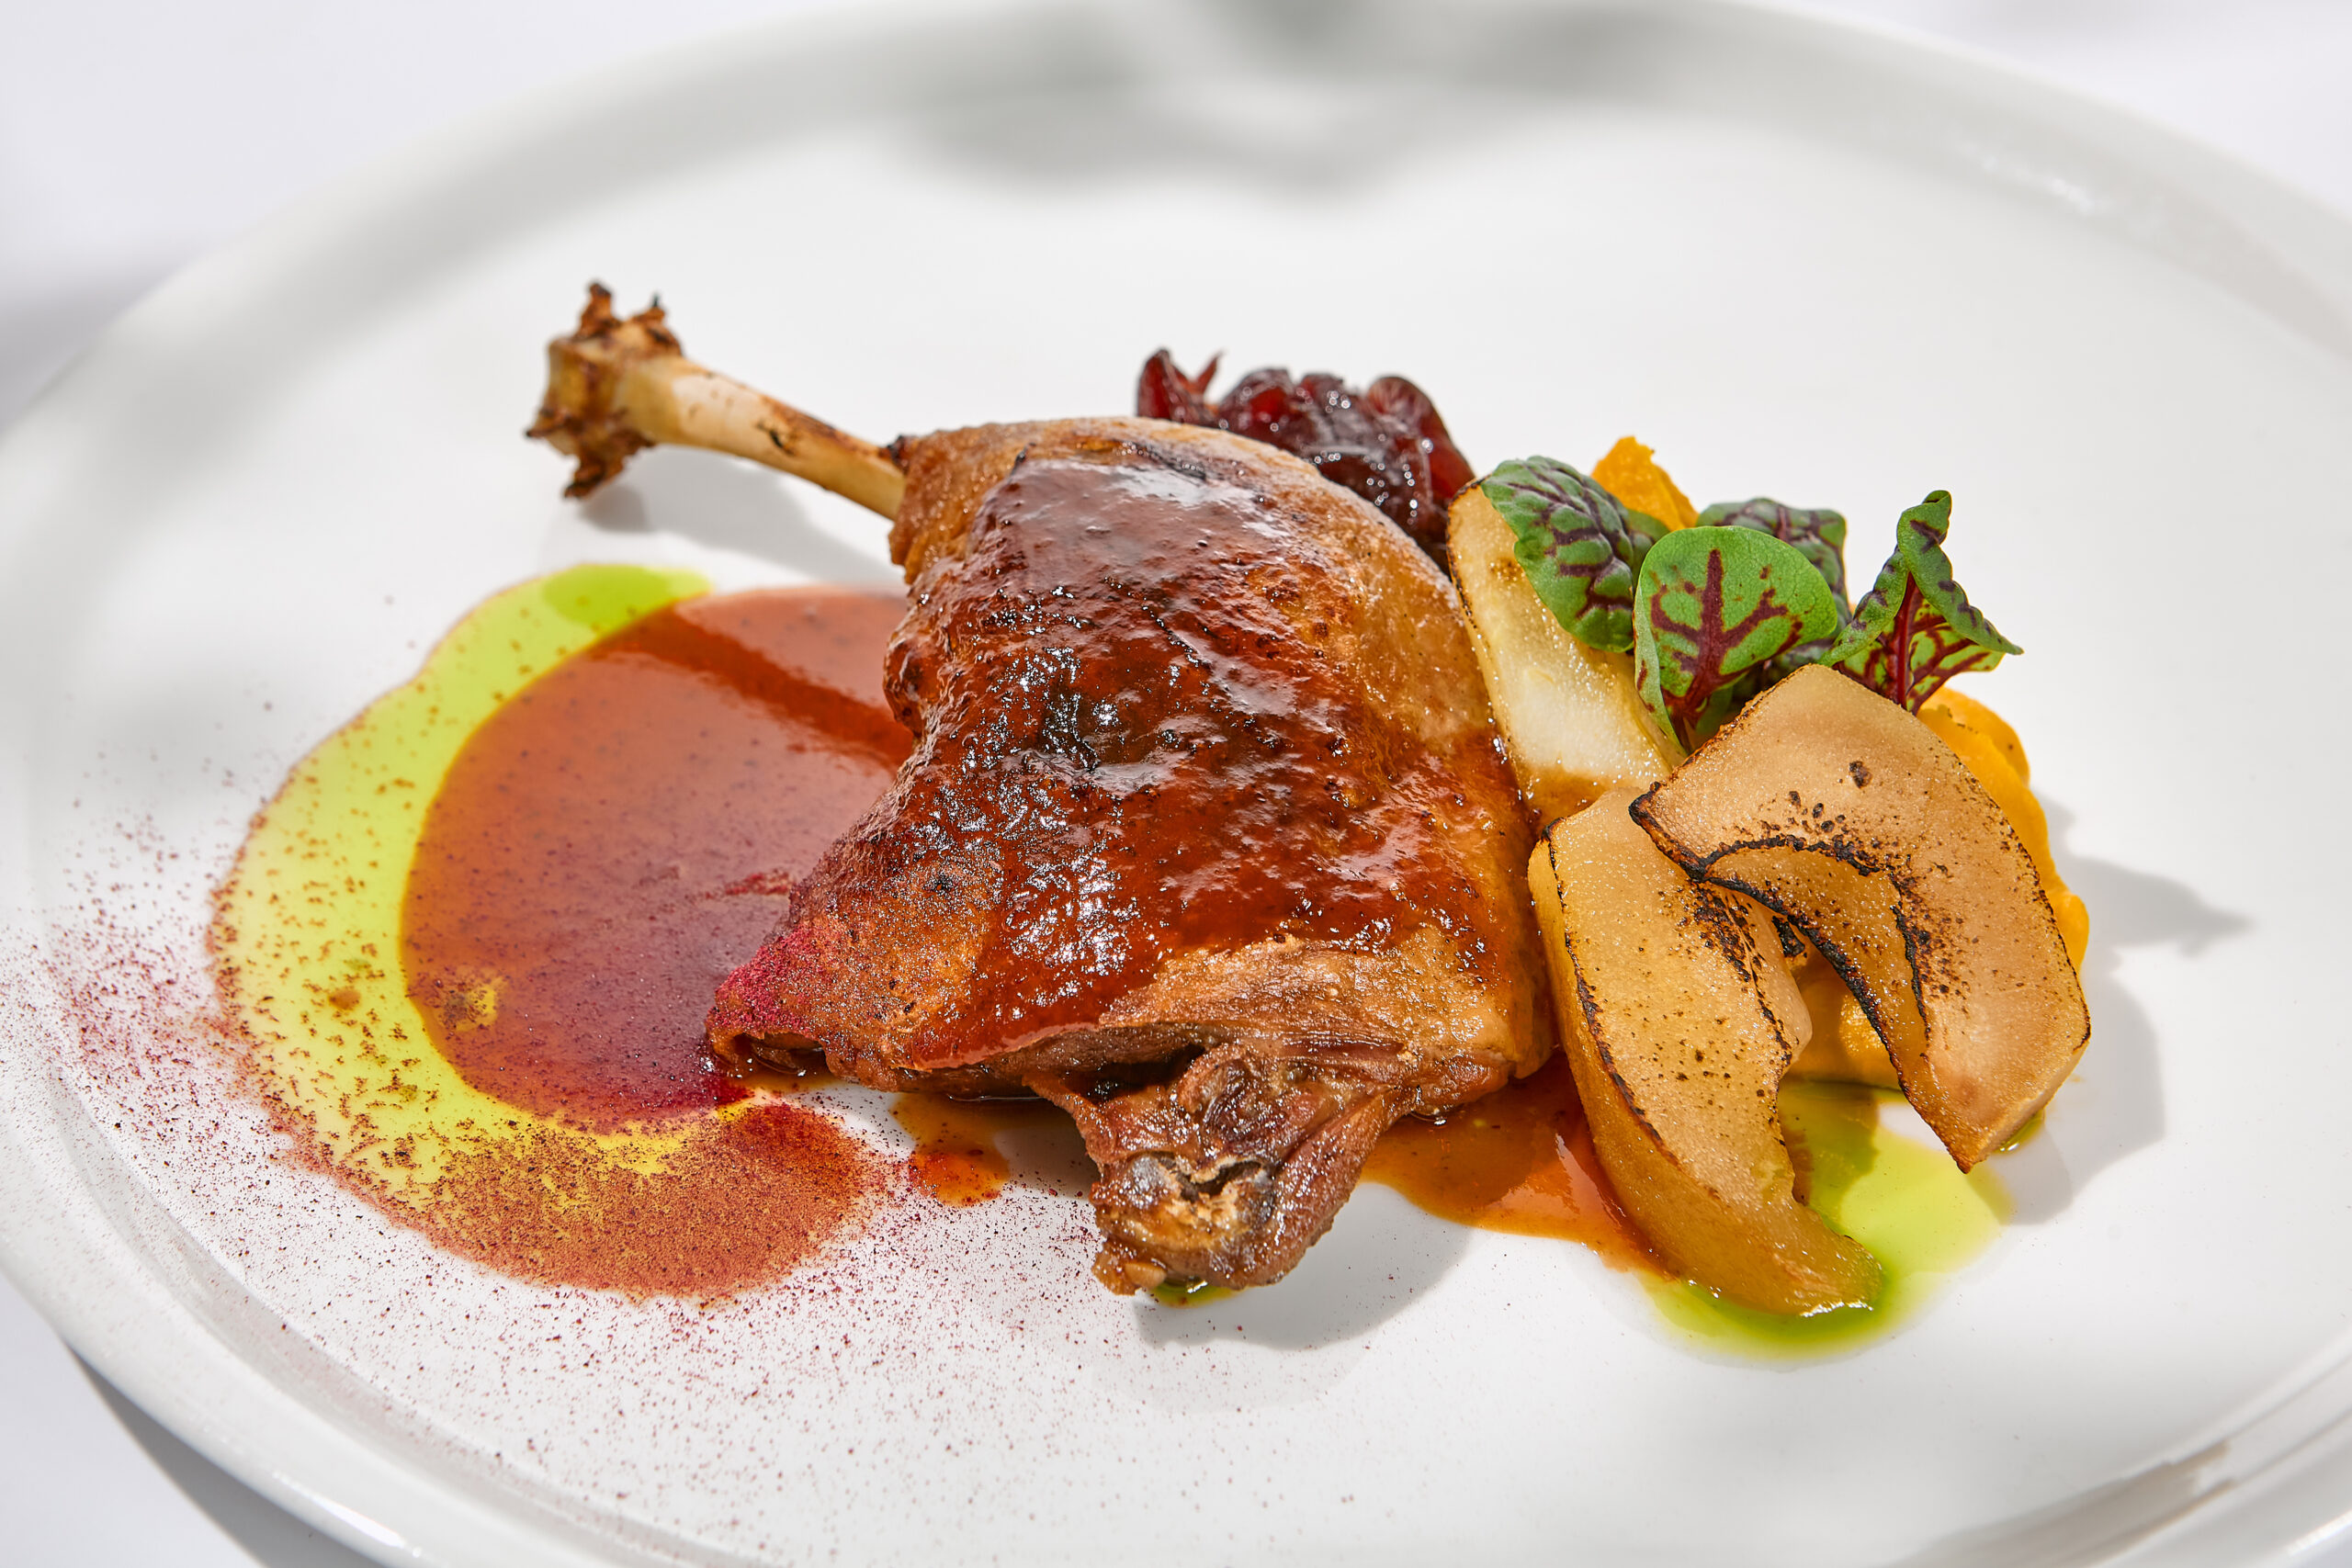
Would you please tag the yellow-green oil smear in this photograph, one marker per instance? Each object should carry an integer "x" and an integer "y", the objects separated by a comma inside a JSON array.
[
  {"x": 1902, "y": 1199},
  {"x": 307, "y": 929},
  {"x": 1189, "y": 1294}
]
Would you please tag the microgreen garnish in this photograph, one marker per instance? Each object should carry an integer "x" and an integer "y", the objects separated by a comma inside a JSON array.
[
  {"x": 1716, "y": 612},
  {"x": 1715, "y": 607},
  {"x": 1818, "y": 534},
  {"x": 1915, "y": 629},
  {"x": 1581, "y": 550}
]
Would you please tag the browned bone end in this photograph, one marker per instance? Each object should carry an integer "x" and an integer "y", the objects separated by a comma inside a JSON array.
[
  {"x": 615, "y": 387},
  {"x": 579, "y": 417}
]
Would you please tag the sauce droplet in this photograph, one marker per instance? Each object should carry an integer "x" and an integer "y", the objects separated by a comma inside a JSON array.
[{"x": 969, "y": 1150}]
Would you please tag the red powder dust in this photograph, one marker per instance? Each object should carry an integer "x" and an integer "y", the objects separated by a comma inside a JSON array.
[{"x": 745, "y": 1201}]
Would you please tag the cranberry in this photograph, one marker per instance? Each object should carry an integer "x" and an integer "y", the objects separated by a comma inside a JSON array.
[{"x": 1385, "y": 443}]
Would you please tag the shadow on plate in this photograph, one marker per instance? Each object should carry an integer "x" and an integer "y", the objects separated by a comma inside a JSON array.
[
  {"x": 2128, "y": 909},
  {"x": 1091, "y": 106},
  {"x": 1380, "y": 1254},
  {"x": 730, "y": 505},
  {"x": 1061, "y": 94},
  {"x": 274, "y": 1538}
]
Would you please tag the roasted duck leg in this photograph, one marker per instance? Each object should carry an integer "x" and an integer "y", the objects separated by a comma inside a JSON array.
[{"x": 1205, "y": 836}]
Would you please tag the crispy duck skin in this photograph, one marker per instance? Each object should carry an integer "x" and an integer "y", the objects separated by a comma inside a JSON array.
[{"x": 1206, "y": 836}]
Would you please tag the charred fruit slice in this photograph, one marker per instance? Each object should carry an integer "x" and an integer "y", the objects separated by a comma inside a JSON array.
[
  {"x": 1846, "y": 815},
  {"x": 1662, "y": 986},
  {"x": 1570, "y": 715}
]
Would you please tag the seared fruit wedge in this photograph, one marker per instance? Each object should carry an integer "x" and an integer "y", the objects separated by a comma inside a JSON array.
[
  {"x": 1571, "y": 720},
  {"x": 1845, "y": 815},
  {"x": 1662, "y": 986}
]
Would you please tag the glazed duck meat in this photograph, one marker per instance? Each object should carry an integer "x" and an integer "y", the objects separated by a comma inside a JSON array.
[{"x": 1206, "y": 836}]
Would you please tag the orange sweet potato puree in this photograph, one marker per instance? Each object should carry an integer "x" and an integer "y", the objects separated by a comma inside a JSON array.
[{"x": 1629, "y": 472}]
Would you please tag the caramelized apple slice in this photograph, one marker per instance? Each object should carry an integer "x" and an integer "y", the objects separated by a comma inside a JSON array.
[
  {"x": 1846, "y": 815},
  {"x": 1571, "y": 720},
  {"x": 1662, "y": 986}
]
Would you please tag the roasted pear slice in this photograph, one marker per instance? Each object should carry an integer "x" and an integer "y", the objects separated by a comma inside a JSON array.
[
  {"x": 1571, "y": 718},
  {"x": 1680, "y": 1019},
  {"x": 1845, "y": 815}
]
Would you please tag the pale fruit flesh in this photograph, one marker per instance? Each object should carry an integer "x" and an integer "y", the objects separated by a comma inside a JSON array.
[
  {"x": 1847, "y": 815},
  {"x": 1571, "y": 720},
  {"x": 1679, "y": 1020}
]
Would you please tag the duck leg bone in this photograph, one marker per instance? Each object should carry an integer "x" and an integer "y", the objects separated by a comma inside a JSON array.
[{"x": 615, "y": 387}]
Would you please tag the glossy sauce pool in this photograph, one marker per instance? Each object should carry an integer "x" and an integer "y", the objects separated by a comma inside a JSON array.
[
  {"x": 619, "y": 827},
  {"x": 620, "y": 834}
]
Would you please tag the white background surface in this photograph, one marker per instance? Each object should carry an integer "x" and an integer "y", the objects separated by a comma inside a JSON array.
[{"x": 135, "y": 136}]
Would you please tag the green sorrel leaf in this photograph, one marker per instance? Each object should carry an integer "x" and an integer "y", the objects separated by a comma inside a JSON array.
[
  {"x": 1817, "y": 533},
  {"x": 1915, "y": 629},
  {"x": 1715, "y": 607},
  {"x": 1581, "y": 550}
]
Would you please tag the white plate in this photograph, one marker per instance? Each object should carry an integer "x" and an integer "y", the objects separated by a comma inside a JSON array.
[{"x": 1800, "y": 260}]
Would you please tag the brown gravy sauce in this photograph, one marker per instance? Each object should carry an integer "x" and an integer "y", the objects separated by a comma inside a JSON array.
[
  {"x": 1520, "y": 1160},
  {"x": 624, "y": 832}
]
